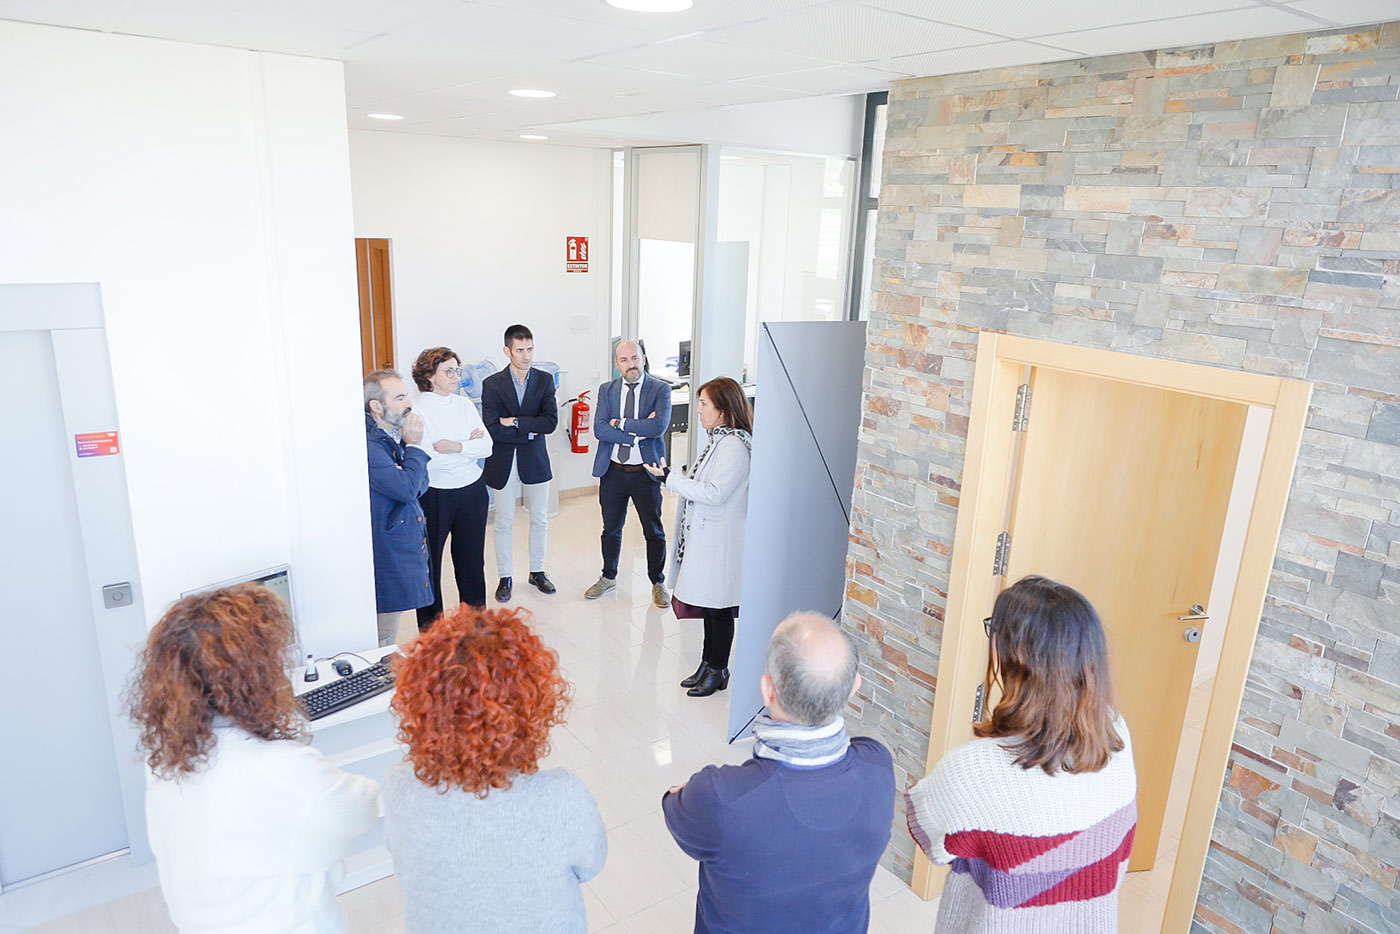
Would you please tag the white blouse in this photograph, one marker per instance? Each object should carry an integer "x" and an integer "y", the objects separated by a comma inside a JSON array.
[{"x": 452, "y": 418}]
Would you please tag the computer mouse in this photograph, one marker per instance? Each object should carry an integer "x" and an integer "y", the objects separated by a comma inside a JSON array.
[{"x": 342, "y": 667}]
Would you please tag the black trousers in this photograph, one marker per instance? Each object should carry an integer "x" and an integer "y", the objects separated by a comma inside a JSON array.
[
  {"x": 461, "y": 515},
  {"x": 719, "y": 637},
  {"x": 615, "y": 489}
]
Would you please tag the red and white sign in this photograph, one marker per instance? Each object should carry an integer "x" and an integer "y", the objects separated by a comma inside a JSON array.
[
  {"x": 97, "y": 443},
  {"x": 576, "y": 257}
]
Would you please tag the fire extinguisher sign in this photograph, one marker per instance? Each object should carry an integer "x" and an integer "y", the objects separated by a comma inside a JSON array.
[{"x": 576, "y": 255}]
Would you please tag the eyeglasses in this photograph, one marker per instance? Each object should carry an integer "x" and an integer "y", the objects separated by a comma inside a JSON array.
[
  {"x": 451, "y": 371},
  {"x": 987, "y": 625}
]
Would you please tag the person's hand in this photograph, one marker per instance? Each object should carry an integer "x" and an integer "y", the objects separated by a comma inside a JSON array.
[
  {"x": 476, "y": 435},
  {"x": 508, "y": 421},
  {"x": 448, "y": 447},
  {"x": 412, "y": 430},
  {"x": 676, "y": 789},
  {"x": 615, "y": 422},
  {"x": 656, "y": 470}
]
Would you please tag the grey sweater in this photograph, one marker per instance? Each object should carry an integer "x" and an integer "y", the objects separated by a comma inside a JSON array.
[{"x": 510, "y": 862}]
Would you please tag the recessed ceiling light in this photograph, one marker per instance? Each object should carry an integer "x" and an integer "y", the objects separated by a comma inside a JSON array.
[
  {"x": 532, "y": 136},
  {"x": 531, "y": 92},
  {"x": 385, "y": 116},
  {"x": 652, "y": 6}
]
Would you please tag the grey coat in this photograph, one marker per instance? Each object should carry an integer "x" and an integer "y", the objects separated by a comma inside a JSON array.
[{"x": 711, "y": 571}]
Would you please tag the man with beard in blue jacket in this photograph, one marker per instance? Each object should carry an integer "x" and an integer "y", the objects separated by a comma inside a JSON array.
[{"x": 398, "y": 475}]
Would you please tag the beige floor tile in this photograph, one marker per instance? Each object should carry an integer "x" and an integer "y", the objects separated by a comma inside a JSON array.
[{"x": 631, "y": 734}]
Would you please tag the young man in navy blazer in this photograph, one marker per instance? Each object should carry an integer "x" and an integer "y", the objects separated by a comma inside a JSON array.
[
  {"x": 518, "y": 407},
  {"x": 633, "y": 414}
]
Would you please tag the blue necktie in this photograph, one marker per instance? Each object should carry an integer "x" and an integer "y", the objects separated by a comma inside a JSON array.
[{"x": 629, "y": 410}]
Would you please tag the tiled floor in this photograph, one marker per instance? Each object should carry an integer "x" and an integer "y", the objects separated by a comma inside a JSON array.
[{"x": 632, "y": 734}]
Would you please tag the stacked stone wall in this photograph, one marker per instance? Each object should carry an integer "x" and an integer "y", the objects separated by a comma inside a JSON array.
[{"x": 1234, "y": 204}]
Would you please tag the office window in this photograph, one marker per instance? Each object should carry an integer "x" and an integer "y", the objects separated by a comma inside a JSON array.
[
  {"x": 781, "y": 247},
  {"x": 867, "y": 211}
]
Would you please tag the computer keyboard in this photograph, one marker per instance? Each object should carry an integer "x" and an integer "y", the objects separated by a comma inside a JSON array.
[{"x": 347, "y": 691}]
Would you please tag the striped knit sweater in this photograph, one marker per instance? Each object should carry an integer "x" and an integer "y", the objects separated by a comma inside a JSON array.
[{"x": 1029, "y": 852}]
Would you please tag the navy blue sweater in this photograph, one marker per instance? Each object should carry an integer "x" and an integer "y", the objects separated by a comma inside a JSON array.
[{"x": 784, "y": 850}]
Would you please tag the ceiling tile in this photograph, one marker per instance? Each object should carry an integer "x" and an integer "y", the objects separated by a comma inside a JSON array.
[
  {"x": 1187, "y": 30},
  {"x": 471, "y": 27},
  {"x": 705, "y": 14},
  {"x": 834, "y": 79},
  {"x": 82, "y": 14},
  {"x": 1350, "y": 12},
  {"x": 848, "y": 32},
  {"x": 978, "y": 58},
  {"x": 1019, "y": 19},
  {"x": 586, "y": 79},
  {"x": 264, "y": 25},
  {"x": 699, "y": 58}
]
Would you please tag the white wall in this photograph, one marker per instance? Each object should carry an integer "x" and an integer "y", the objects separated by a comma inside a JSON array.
[
  {"x": 207, "y": 191},
  {"x": 827, "y": 126},
  {"x": 477, "y": 232}
]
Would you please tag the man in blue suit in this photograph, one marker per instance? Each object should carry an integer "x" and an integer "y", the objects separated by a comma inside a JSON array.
[
  {"x": 633, "y": 414},
  {"x": 398, "y": 475},
  {"x": 518, "y": 407}
]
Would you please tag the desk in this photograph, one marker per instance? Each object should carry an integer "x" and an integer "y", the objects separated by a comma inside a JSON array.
[{"x": 361, "y": 740}]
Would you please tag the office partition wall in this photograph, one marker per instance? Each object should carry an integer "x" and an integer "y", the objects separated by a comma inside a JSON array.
[{"x": 804, "y": 464}]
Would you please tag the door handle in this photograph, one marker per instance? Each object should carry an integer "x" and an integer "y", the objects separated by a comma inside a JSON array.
[{"x": 1197, "y": 613}]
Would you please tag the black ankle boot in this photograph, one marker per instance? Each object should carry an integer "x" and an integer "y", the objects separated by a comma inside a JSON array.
[
  {"x": 714, "y": 679},
  {"x": 695, "y": 678}
]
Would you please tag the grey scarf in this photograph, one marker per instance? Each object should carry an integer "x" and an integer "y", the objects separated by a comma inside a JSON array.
[
  {"x": 809, "y": 746},
  {"x": 719, "y": 431}
]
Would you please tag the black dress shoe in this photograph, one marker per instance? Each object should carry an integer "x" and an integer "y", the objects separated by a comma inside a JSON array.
[
  {"x": 695, "y": 678},
  {"x": 714, "y": 679},
  {"x": 503, "y": 590},
  {"x": 541, "y": 580}
]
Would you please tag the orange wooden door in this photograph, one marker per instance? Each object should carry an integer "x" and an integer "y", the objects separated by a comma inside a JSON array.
[
  {"x": 1121, "y": 493},
  {"x": 376, "y": 304}
]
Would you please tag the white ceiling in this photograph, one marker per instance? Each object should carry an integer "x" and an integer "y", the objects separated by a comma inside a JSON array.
[{"x": 446, "y": 65}]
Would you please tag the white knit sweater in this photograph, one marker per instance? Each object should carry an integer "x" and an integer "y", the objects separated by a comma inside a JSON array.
[
  {"x": 452, "y": 418},
  {"x": 252, "y": 842},
  {"x": 1030, "y": 852}
]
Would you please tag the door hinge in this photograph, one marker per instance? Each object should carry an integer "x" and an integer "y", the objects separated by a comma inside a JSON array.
[
  {"x": 1023, "y": 408},
  {"x": 1003, "y": 555},
  {"x": 978, "y": 702}
]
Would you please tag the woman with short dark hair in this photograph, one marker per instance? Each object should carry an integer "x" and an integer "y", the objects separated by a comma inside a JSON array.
[
  {"x": 707, "y": 561},
  {"x": 249, "y": 824},
  {"x": 1036, "y": 815},
  {"x": 482, "y": 839},
  {"x": 456, "y": 502}
]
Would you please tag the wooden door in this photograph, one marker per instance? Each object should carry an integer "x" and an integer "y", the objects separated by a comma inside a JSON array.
[
  {"x": 376, "y": 305},
  {"x": 1121, "y": 493}
]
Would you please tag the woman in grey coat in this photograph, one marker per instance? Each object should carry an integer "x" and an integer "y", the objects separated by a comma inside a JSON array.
[{"x": 708, "y": 560}]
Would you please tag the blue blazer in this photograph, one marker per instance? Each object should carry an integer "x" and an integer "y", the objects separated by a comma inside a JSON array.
[
  {"x": 398, "y": 475},
  {"x": 538, "y": 415},
  {"x": 653, "y": 399}
]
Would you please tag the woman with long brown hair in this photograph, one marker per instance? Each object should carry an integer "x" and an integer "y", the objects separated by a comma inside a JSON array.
[
  {"x": 1036, "y": 815},
  {"x": 249, "y": 824},
  {"x": 707, "y": 561},
  {"x": 482, "y": 839}
]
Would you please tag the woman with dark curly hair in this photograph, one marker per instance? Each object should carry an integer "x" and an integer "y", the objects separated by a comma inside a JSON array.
[
  {"x": 455, "y": 502},
  {"x": 482, "y": 840},
  {"x": 248, "y": 823}
]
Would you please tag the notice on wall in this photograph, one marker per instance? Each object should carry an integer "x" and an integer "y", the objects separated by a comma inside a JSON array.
[
  {"x": 576, "y": 256},
  {"x": 97, "y": 443}
]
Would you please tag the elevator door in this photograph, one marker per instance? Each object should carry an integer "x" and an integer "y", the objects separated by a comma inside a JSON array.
[{"x": 61, "y": 802}]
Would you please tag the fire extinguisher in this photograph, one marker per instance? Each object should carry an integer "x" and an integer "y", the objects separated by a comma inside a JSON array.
[{"x": 579, "y": 424}]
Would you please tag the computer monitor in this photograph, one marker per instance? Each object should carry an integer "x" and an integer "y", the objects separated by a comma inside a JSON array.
[
  {"x": 683, "y": 367},
  {"x": 278, "y": 580}
]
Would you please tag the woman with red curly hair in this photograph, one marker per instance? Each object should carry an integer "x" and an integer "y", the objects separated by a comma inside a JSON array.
[
  {"x": 248, "y": 823},
  {"x": 482, "y": 839}
]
